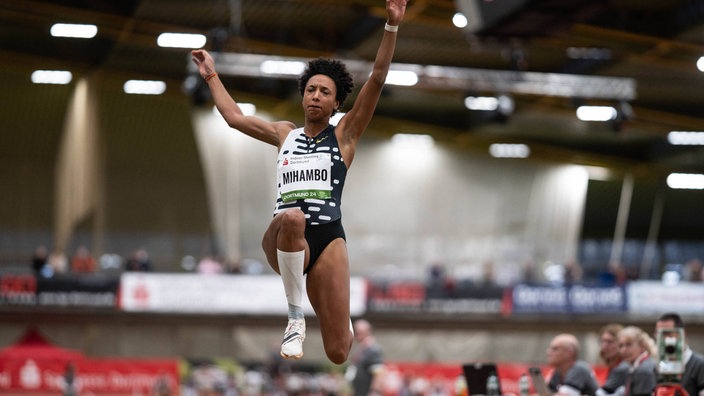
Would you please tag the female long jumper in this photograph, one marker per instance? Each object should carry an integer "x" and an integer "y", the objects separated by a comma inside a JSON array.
[{"x": 305, "y": 238}]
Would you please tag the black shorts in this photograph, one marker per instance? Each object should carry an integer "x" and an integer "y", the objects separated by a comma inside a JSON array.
[{"x": 320, "y": 236}]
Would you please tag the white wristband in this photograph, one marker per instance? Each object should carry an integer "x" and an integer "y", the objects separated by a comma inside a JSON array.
[{"x": 390, "y": 28}]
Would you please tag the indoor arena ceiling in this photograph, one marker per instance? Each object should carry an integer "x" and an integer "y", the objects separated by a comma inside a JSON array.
[{"x": 651, "y": 45}]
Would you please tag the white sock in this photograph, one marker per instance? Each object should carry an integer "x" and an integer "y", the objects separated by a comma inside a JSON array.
[{"x": 291, "y": 269}]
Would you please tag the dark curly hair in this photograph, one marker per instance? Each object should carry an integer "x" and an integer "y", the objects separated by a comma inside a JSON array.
[{"x": 333, "y": 69}]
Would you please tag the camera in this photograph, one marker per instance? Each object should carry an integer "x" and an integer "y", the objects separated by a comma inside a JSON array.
[{"x": 670, "y": 352}]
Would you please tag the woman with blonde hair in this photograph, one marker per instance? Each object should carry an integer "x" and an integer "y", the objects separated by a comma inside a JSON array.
[{"x": 639, "y": 350}]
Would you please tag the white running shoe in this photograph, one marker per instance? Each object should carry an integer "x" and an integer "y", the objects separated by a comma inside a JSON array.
[{"x": 292, "y": 345}]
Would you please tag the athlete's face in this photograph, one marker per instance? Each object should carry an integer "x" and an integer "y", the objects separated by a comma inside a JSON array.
[{"x": 319, "y": 97}]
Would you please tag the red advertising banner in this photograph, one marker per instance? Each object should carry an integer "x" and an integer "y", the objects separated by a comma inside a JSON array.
[{"x": 33, "y": 366}]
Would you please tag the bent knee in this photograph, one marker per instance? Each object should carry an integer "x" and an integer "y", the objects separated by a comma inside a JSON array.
[
  {"x": 339, "y": 352},
  {"x": 338, "y": 355},
  {"x": 293, "y": 218}
]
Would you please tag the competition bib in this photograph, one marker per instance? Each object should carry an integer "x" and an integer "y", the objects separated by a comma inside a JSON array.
[{"x": 305, "y": 176}]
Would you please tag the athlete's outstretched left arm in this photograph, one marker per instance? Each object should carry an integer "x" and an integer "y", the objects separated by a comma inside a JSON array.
[{"x": 353, "y": 124}]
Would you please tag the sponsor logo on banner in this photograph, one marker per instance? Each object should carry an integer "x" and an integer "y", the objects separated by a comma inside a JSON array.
[
  {"x": 568, "y": 299},
  {"x": 648, "y": 297},
  {"x": 213, "y": 294}
]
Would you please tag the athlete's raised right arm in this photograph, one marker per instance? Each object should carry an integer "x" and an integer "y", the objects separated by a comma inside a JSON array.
[{"x": 268, "y": 132}]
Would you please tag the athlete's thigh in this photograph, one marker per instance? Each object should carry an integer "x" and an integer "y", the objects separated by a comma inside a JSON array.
[{"x": 328, "y": 286}]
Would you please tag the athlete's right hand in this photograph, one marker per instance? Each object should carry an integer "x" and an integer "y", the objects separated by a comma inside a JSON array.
[{"x": 205, "y": 62}]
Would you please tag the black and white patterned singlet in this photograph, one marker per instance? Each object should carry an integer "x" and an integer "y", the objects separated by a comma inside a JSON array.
[{"x": 311, "y": 175}]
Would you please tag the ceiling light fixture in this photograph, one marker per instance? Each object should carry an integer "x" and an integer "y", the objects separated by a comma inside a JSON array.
[
  {"x": 686, "y": 138},
  {"x": 73, "y": 30},
  {"x": 51, "y": 77},
  {"x": 144, "y": 87},
  {"x": 459, "y": 20},
  {"x": 181, "y": 40},
  {"x": 700, "y": 64},
  {"x": 596, "y": 113},
  {"x": 509, "y": 150},
  {"x": 481, "y": 103},
  {"x": 282, "y": 67},
  {"x": 688, "y": 181},
  {"x": 404, "y": 78}
]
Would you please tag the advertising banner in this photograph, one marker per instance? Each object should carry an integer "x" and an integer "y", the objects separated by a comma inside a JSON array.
[
  {"x": 33, "y": 366},
  {"x": 89, "y": 290},
  {"x": 218, "y": 294},
  {"x": 654, "y": 297},
  {"x": 579, "y": 299},
  {"x": 416, "y": 296}
]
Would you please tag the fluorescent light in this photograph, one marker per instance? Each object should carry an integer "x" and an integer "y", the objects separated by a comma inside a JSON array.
[
  {"x": 596, "y": 113},
  {"x": 700, "y": 64},
  {"x": 292, "y": 68},
  {"x": 686, "y": 138},
  {"x": 405, "y": 78},
  {"x": 690, "y": 181},
  {"x": 73, "y": 30},
  {"x": 144, "y": 87},
  {"x": 459, "y": 20},
  {"x": 484, "y": 103},
  {"x": 505, "y": 150},
  {"x": 51, "y": 77},
  {"x": 181, "y": 40}
]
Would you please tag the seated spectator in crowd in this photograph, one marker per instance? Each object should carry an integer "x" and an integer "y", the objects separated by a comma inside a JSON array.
[
  {"x": 82, "y": 261},
  {"x": 611, "y": 356},
  {"x": 139, "y": 261},
  {"x": 638, "y": 349},
  {"x": 571, "y": 376},
  {"x": 693, "y": 377},
  {"x": 209, "y": 265},
  {"x": 692, "y": 271},
  {"x": 58, "y": 261},
  {"x": 40, "y": 260}
]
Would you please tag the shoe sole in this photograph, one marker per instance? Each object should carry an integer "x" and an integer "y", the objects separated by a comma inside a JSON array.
[{"x": 283, "y": 355}]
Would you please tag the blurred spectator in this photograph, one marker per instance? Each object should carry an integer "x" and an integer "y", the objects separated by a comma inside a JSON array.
[
  {"x": 692, "y": 271},
  {"x": 638, "y": 349},
  {"x": 571, "y": 376},
  {"x": 209, "y": 265},
  {"x": 40, "y": 260},
  {"x": 573, "y": 272},
  {"x": 610, "y": 355},
  {"x": 139, "y": 261},
  {"x": 488, "y": 276},
  {"x": 693, "y": 377},
  {"x": 436, "y": 275},
  {"x": 528, "y": 272},
  {"x": 162, "y": 386},
  {"x": 367, "y": 364},
  {"x": 82, "y": 261},
  {"x": 554, "y": 273},
  {"x": 58, "y": 261},
  {"x": 69, "y": 380},
  {"x": 615, "y": 274}
]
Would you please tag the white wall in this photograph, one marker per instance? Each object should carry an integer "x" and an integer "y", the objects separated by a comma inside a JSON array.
[{"x": 406, "y": 209}]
